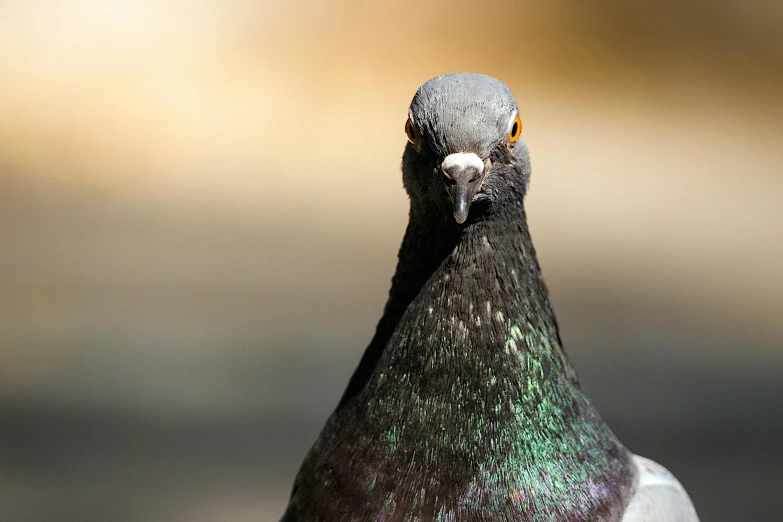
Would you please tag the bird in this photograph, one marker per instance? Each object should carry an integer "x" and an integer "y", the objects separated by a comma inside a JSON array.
[{"x": 465, "y": 406}]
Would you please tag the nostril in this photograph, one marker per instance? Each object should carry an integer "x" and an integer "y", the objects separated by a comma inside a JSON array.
[
  {"x": 462, "y": 167},
  {"x": 447, "y": 180},
  {"x": 461, "y": 175}
]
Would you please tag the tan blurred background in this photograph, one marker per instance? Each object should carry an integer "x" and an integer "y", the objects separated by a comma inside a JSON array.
[{"x": 200, "y": 207}]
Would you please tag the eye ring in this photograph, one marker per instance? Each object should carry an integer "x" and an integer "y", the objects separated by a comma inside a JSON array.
[
  {"x": 410, "y": 131},
  {"x": 516, "y": 130}
]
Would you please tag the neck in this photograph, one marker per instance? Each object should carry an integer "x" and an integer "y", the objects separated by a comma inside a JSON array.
[
  {"x": 468, "y": 258},
  {"x": 473, "y": 292},
  {"x": 467, "y": 361}
]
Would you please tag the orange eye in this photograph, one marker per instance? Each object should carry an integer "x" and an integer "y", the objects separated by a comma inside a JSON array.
[
  {"x": 516, "y": 130},
  {"x": 410, "y": 131}
]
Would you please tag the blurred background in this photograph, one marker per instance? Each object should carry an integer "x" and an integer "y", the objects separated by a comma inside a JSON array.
[{"x": 201, "y": 205}]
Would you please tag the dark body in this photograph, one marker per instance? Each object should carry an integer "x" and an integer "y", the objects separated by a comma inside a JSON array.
[{"x": 465, "y": 406}]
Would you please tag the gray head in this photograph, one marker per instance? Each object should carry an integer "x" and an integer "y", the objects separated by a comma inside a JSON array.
[{"x": 464, "y": 146}]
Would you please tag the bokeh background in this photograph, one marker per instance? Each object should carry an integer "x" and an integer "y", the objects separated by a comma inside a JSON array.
[{"x": 201, "y": 204}]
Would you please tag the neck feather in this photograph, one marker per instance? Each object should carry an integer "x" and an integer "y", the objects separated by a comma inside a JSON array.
[
  {"x": 467, "y": 361},
  {"x": 485, "y": 273}
]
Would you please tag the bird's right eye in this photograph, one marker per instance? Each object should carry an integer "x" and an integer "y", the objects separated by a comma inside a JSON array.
[
  {"x": 410, "y": 131},
  {"x": 516, "y": 130}
]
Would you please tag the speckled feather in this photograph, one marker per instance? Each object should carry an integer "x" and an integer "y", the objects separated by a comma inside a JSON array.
[{"x": 465, "y": 406}]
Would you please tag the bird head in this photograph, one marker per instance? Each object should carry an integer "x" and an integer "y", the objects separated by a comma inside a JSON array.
[{"x": 464, "y": 147}]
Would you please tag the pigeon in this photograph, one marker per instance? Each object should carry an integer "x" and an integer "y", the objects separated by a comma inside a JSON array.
[{"x": 464, "y": 406}]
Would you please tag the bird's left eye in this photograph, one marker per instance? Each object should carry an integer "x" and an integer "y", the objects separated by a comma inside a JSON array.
[
  {"x": 410, "y": 131},
  {"x": 516, "y": 130}
]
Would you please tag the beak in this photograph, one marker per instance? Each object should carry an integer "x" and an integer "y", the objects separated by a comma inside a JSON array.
[{"x": 464, "y": 172}]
